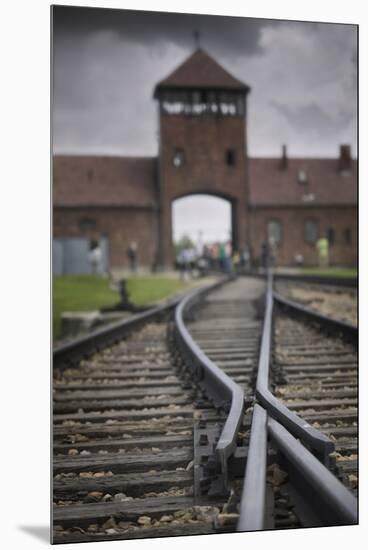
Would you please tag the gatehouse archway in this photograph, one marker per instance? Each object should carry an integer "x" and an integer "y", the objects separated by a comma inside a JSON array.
[{"x": 203, "y": 219}]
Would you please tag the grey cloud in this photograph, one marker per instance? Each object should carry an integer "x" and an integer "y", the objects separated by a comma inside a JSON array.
[
  {"x": 157, "y": 28},
  {"x": 107, "y": 62},
  {"x": 311, "y": 119}
]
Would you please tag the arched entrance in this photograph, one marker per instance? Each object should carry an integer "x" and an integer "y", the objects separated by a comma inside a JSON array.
[
  {"x": 202, "y": 144},
  {"x": 203, "y": 219},
  {"x": 229, "y": 219},
  {"x": 205, "y": 216}
]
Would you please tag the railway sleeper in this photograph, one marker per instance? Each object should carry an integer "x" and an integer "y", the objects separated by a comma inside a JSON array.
[{"x": 132, "y": 484}]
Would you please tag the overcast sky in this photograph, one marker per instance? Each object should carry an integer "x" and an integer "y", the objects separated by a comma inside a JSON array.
[
  {"x": 107, "y": 62},
  {"x": 303, "y": 79}
]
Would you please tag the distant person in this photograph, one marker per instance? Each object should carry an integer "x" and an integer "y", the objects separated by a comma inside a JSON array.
[
  {"x": 272, "y": 244},
  {"x": 221, "y": 256},
  {"x": 179, "y": 263},
  {"x": 265, "y": 255},
  {"x": 199, "y": 246},
  {"x": 202, "y": 265},
  {"x": 298, "y": 259},
  {"x": 95, "y": 256},
  {"x": 207, "y": 255},
  {"x": 323, "y": 252},
  {"x": 214, "y": 261},
  {"x": 245, "y": 258},
  {"x": 184, "y": 259},
  {"x": 236, "y": 261},
  {"x": 228, "y": 265},
  {"x": 132, "y": 254}
]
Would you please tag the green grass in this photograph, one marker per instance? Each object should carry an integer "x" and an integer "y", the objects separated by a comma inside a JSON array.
[
  {"x": 145, "y": 290},
  {"x": 330, "y": 271},
  {"x": 88, "y": 292}
]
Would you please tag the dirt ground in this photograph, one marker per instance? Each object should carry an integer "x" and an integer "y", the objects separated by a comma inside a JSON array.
[{"x": 341, "y": 305}]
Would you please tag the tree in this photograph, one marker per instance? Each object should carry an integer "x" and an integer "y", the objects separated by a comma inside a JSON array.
[{"x": 183, "y": 243}]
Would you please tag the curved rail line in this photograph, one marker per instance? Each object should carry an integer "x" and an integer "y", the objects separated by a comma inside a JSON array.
[
  {"x": 347, "y": 282},
  {"x": 68, "y": 354},
  {"x": 313, "y": 479},
  {"x": 291, "y": 421},
  {"x": 340, "y": 503},
  {"x": 302, "y": 447},
  {"x": 346, "y": 330},
  {"x": 108, "y": 389},
  {"x": 219, "y": 387}
]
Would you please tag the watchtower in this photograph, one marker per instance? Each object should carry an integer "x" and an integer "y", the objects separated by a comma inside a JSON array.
[{"x": 202, "y": 147}]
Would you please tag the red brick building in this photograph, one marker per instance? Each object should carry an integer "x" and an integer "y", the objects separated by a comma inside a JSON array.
[{"x": 203, "y": 149}]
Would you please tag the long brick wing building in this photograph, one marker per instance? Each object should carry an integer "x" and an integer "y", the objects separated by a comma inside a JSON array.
[{"x": 202, "y": 149}]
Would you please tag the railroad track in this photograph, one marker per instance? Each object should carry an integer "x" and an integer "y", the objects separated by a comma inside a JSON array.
[
  {"x": 316, "y": 376},
  {"x": 123, "y": 442},
  {"x": 339, "y": 302},
  {"x": 157, "y": 418}
]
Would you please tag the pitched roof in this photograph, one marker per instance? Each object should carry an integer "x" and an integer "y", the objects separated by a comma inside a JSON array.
[
  {"x": 201, "y": 71},
  {"x": 103, "y": 181},
  {"x": 270, "y": 186}
]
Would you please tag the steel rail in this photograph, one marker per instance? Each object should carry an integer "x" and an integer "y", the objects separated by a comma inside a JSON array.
[
  {"x": 334, "y": 326},
  {"x": 323, "y": 498},
  {"x": 296, "y": 425},
  {"x": 218, "y": 386},
  {"x": 253, "y": 499},
  {"x": 313, "y": 480},
  {"x": 68, "y": 354},
  {"x": 344, "y": 282},
  {"x": 328, "y": 500}
]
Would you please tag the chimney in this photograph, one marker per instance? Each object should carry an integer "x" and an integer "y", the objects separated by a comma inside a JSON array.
[
  {"x": 345, "y": 159},
  {"x": 284, "y": 159}
]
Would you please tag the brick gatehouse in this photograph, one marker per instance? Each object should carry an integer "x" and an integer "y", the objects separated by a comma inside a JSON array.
[{"x": 202, "y": 149}]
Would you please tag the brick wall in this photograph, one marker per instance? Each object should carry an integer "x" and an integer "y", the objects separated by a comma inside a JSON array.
[
  {"x": 204, "y": 141},
  {"x": 120, "y": 225},
  {"x": 292, "y": 233}
]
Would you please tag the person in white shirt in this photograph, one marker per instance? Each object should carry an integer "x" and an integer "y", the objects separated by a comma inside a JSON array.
[{"x": 95, "y": 259}]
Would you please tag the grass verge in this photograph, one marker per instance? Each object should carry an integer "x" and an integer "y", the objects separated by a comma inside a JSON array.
[
  {"x": 88, "y": 292},
  {"x": 330, "y": 271}
]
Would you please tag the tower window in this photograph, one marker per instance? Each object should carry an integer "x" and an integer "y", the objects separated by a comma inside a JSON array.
[
  {"x": 240, "y": 105},
  {"x": 196, "y": 97},
  {"x": 87, "y": 224},
  {"x": 274, "y": 231},
  {"x": 178, "y": 158},
  {"x": 202, "y": 102},
  {"x": 347, "y": 235},
  {"x": 331, "y": 235},
  {"x": 302, "y": 177},
  {"x": 230, "y": 157},
  {"x": 311, "y": 231}
]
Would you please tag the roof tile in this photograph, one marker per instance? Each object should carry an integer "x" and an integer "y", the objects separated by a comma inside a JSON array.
[
  {"x": 104, "y": 181},
  {"x": 270, "y": 186},
  {"x": 201, "y": 71}
]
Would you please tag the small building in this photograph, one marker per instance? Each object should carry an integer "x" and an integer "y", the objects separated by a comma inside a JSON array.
[{"x": 202, "y": 149}]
